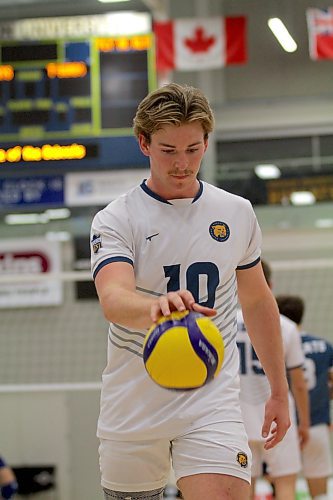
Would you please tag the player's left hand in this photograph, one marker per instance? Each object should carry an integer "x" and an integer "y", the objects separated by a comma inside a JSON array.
[{"x": 276, "y": 421}]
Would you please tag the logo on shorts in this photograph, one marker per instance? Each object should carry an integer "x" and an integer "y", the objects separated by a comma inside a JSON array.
[
  {"x": 96, "y": 242},
  {"x": 242, "y": 459},
  {"x": 219, "y": 231}
]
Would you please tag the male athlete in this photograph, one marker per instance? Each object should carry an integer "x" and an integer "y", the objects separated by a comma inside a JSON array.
[{"x": 157, "y": 251}]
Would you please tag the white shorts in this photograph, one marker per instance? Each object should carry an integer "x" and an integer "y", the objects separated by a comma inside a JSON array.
[
  {"x": 316, "y": 454},
  {"x": 219, "y": 448},
  {"x": 282, "y": 460}
]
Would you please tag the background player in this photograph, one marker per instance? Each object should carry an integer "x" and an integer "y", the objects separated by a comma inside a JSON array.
[
  {"x": 8, "y": 484},
  {"x": 316, "y": 455},
  {"x": 154, "y": 250},
  {"x": 283, "y": 462}
]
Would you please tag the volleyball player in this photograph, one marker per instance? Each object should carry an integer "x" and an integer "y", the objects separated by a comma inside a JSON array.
[
  {"x": 283, "y": 462},
  {"x": 175, "y": 243},
  {"x": 316, "y": 455}
]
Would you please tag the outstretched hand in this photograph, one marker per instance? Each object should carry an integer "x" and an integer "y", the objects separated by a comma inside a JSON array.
[
  {"x": 276, "y": 421},
  {"x": 180, "y": 300}
]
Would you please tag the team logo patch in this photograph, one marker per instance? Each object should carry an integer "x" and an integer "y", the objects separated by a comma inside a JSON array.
[
  {"x": 96, "y": 242},
  {"x": 242, "y": 459},
  {"x": 219, "y": 231}
]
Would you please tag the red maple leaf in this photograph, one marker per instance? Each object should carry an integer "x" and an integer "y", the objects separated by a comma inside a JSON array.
[{"x": 200, "y": 42}]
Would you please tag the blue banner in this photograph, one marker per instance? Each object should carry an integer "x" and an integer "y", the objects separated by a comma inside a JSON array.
[{"x": 25, "y": 191}]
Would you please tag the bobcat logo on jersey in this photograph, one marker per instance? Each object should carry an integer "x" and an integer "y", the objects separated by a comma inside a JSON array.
[
  {"x": 242, "y": 459},
  {"x": 219, "y": 231},
  {"x": 96, "y": 242}
]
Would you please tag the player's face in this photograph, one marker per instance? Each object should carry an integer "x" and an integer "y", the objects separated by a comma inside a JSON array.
[{"x": 175, "y": 154}]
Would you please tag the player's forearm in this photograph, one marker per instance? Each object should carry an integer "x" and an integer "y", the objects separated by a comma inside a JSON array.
[
  {"x": 126, "y": 307},
  {"x": 301, "y": 396}
]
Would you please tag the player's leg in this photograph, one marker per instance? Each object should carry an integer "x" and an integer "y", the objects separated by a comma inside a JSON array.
[
  {"x": 317, "y": 460},
  {"x": 214, "y": 487},
  {"x": 284, "y": 464},
  {"x": 285, "y": 487},
  {"x": 130, "y": 495},
  {"x": 213, "y": 461},
  {"x": 134, "y": 469},
  {"x": 257, "y": 461}
]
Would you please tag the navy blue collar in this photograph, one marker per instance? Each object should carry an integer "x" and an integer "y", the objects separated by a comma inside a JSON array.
[{"x": 159, "y": 198}]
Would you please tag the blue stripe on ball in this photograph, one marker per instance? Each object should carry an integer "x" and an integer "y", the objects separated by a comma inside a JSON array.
[
  {"x": 156, "y": 334},
  {"x": 201, "y": 345}
]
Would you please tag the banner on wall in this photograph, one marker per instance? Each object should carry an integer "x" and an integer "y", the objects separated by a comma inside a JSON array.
[
  {"x": 21, "y": 260},
  {"x": 200, "y": 43},
  {"x": 39, "y": 190},
  {"x": 320, "y": 28},
  {"x": 100, "y": 188}
]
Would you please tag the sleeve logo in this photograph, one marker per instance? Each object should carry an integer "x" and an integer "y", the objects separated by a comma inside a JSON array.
[{"x": 96, "y": 242}]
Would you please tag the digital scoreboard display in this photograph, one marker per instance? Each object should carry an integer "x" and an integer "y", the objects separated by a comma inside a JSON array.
[{"x": 73, "y": 99}]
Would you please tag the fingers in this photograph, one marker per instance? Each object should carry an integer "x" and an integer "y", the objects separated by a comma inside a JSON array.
[{"x": 177, "y": 301}]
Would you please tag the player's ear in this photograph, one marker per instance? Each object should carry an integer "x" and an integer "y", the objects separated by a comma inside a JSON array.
[
  {"x": 144, "y": 144},
  {"x": 205, "y": 143}
]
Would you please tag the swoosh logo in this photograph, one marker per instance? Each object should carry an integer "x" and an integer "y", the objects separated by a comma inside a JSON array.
[{"x": 149, "y": 238}]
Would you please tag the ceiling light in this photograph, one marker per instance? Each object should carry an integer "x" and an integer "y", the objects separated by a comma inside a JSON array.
[
  {"x": 324, "y": 223},
  {"x": 17, "y": 219},
  {"x": 113, "y": 1},
  {"x": 282, "y": 34},
  {"x": 267, "y": 171},
  {"x": 302, "y": 198}
]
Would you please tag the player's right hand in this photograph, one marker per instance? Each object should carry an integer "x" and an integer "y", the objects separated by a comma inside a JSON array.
[{"x": 181, "y": 300}]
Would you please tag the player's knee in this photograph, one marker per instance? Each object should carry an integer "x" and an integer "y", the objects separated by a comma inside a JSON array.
[{"x": 140, "y": 495}]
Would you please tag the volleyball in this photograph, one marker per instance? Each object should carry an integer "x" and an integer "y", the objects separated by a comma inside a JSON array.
[{"x": 183, "y": 351}]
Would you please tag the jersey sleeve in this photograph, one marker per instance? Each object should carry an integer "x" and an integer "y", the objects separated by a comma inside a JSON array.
[
  {"x": 110, "y": 238},
  {"x": 253, "y": 241},
  {"x": 292, "y": 344}
]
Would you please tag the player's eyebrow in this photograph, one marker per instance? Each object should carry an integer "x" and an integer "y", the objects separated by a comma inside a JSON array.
[{"x": 164, "y": 144}]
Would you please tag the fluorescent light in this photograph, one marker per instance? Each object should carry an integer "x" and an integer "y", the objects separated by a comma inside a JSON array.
[
  {"x": 282, "y": 34},
  {"x": 16, "y": 219},
  {"x": 113, "y": 1},
  {"x": 58, "y": 213},
  {"x": 324, "y": 223},
  {"x": 35, "y": 218},
  {"x": 302, "y": 198},
  {"x": 267, "y": 171}
]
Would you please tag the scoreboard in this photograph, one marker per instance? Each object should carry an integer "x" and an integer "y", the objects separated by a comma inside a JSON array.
[{"x": 70, "y": 102}]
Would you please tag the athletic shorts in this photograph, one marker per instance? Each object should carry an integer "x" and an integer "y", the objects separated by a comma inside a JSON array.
[
  {"x": 282, "y": 460},
  {"x": 219, "y": 448},
  {"x": 316, "y": 454}
]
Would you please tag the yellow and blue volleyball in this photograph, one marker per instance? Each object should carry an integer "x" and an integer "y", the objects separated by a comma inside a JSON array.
[{"x": 183, "y": 351}]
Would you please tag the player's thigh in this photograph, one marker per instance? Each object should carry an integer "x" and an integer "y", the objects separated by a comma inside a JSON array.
[
  {"x": 285, "y": 458},
  {"x": 134, "y": 466},
  {"x": 214, "y": 450},
  {"x": 316, "y": 454},
  {"x": 214, "y": 487}
]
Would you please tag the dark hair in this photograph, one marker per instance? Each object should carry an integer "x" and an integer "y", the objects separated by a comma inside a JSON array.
[{"x": 291, "y": 306}]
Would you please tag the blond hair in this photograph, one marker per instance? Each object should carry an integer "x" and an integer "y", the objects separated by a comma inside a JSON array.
[{"x": 172, "y": 104}]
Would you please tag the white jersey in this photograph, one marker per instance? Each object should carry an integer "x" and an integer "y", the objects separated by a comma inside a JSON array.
[
  {"x": 190, "y": 243},
  {"x": 254, "y": 385}
]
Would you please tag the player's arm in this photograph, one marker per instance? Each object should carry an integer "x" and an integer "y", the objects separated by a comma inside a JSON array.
[
  {"x": 262, "y": 320},
  {"x": 122, "y": 304},
  {"x": 300, "y": 393}
]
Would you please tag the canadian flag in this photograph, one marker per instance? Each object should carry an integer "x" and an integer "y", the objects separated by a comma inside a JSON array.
[{"x": 200, "y": 43}]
